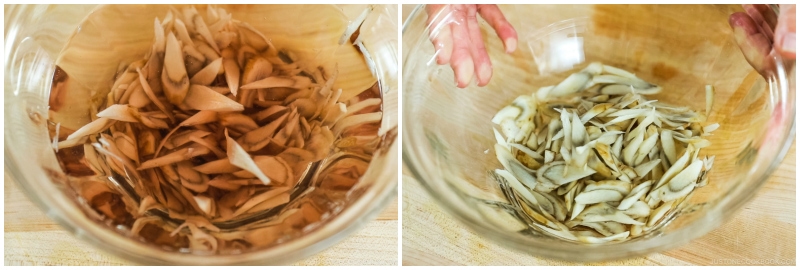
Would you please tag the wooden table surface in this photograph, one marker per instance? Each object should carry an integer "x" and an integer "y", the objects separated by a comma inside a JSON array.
[
  {"x": 763, "y": 232},
  {"x": 31, "y": 238}
]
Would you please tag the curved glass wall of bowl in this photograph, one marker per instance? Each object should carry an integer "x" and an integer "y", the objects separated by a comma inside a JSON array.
[
  {"x": 100, "y": 52},
  {"x": 450, "y": 150},
  {"x": 559, "y": 46}
]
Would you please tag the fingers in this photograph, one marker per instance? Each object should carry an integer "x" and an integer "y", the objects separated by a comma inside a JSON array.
[
  {"x": 434, "y": 13},
  {"x": 461, "y": 59},
  {"x": 457, "y": 39},
  {"x": 443, "y": 41},
  {"x": 785, "y": 32},
  {"x": 439, "y": 30},
  {"x": 504, "y": 30},
  {"x": 763, "y": 17},
  {"x": 767, "y": 13},
  {"x": 754, "y": 45},
  {"x": 483, "y": 66}
]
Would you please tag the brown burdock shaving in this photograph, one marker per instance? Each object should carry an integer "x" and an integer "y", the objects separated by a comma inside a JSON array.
[{"x": 212, "y": 125}]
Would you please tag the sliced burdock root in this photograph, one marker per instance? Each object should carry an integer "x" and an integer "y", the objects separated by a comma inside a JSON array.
[{"x": 214, "y": 123}]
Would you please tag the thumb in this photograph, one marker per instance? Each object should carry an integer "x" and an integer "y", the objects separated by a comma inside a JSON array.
[{"x": 785, "y": 32}]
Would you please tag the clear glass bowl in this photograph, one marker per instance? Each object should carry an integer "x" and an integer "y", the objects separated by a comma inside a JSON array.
[
  {"x": 448, "y": 139},
  {"x": 35, "y": 37}
]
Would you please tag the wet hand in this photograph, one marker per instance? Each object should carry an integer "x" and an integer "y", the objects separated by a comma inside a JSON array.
[
  {"x": 456, "y": 36},
  {"x": 759, "y": 31}
]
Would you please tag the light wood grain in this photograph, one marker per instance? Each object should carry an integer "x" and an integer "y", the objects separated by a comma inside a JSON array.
[
  {"x": 31, "y": 238},
  {"x": 763, "y": 232}
]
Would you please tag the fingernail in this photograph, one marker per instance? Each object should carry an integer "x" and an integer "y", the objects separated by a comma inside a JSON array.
[
  {"x": 485, "y": 72},
  {"x": 464, "y": 73},
  {"x": 788, "y": 43},
  {"x": 438, "y": 56},
  {"x": 511, "y": 45}
]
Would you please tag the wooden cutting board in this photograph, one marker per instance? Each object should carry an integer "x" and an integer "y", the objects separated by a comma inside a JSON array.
[
  {"x": 763, "y": 232},
  {"x": 31, "y": 238}
]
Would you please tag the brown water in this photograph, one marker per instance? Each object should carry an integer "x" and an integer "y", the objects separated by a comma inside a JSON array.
[
  {"x": 321, "y": 194},
  {"x": 112, "y": 198}
]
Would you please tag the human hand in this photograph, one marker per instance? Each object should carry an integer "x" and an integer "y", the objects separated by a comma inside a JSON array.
[
  {"x": 759, "y": 31},
  {"x": 457, "y": 39}
]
